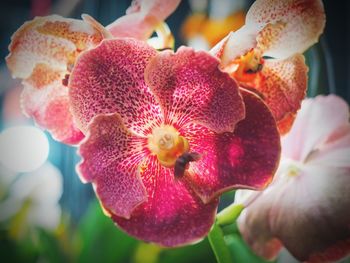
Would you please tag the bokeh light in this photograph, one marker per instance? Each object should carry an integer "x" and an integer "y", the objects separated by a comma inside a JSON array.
[{"x": 23, "y": 148}]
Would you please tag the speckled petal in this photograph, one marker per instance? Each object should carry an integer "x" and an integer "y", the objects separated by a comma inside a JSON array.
[
  {"x": 236, "y": 44},
  {"x": 304, "y": 22},
  {"x": 249, "y": 37},
  {"x": 190, "y": 87},
  {"x": 173, "y": 215},
  {"x": 53, "y": 40},
  {"x": 142, "y": 17},
  {"x": 245, "y": 158},
  {"x": 282, "y": 85},
  {"x": 49, "y": 107},
  {"x": 112, "y": 158},
  {"x": 109, "y": 79},
  {"x": 285, "y": 124},
  {"x": 42, "y": 51}
]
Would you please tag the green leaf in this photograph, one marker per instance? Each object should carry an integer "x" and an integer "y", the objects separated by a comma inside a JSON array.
[
  {"x": 229, "y": 214},
  {"x": 101, "y": 241},
  {"x": 49, "y": 247},
  {"x": 146, "y": 253},
  {"x": 17, "y": 251},
  {"x": 240, "y": 251},
  {"x": 218, "y": 244},
  {"x": 321, "y": 76},
  {"x": 197, "y": 253}
]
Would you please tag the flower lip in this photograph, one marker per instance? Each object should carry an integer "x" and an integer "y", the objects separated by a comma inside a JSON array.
[
  {"x": 166, "y": 142},
  {"x": 244, "y": 67}
]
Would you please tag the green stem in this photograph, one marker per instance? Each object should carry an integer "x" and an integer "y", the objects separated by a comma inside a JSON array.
[
  {"x": 229, "y": 214},
  {"x": 218, "y": 245}
]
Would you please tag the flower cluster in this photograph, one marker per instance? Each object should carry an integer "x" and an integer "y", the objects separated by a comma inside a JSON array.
[{"x": 163, "y": 134}]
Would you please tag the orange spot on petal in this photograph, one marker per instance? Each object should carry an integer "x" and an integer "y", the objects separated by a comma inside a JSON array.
[
  {"x": 43, "y": 75},
  {"x": 285, "y": 124}
]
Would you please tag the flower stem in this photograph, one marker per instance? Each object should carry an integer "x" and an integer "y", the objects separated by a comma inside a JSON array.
[
  {"x": 229, "y": 214},
  {"x": 218, "y": 245}
]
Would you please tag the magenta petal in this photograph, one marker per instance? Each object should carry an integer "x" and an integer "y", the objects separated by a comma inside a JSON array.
[
  {"x": 173, "y": 214},
  {"x": 109, "y": 79},
  {"x": 190, "y": 87},
  {"x": 111, "y": 161},
  {"x": 246, "y": 158}
]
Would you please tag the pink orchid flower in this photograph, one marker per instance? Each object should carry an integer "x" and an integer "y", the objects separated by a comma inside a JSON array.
[
  {"x": 166, "y": 135},
  {"x": 43, "y": 52},
  {"x": 281, "y": 30},
  {"x": 306, "y": 207}
]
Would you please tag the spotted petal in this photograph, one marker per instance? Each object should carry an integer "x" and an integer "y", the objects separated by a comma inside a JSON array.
[
  {"x": 50, "y": 109},
  {"x": 109, "y": 79},
  {"x": 173, "y": 215},
  {"x": 236, "y": 44},
  {"x": 42, "y": 51},
  {"x": 112, "y": 158},
  {"x": 142, "y": 17},
  {"x": 282, "y": 85},
  {"x": 304, "y": 22},
  {"x": 246, "y": 158},
  {"x": 190, "y": 87}
]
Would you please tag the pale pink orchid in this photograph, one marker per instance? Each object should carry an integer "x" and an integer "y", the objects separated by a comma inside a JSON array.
[
  {"x": 306, "y": 207},
  {"x": 43, "y": 52}
]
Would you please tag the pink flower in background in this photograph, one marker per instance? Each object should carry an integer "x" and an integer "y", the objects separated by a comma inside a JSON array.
[
  {"x": 265, "y": 55},
  {"x": 306, "y": 207},
  {"x": 166, "y": 134},
  {"x": 43, "y": 52}
]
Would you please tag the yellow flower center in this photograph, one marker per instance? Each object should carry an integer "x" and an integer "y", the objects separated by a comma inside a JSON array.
[
  {"x": 293, "y": 171},
  {"x": 250, "y": 62},
  {"x": 167, "y": 144},
  {"x": 244, "y": 68}
]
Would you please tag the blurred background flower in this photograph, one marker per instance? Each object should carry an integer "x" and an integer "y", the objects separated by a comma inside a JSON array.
[
  {"x": 305, "y": 206},
  {"x": 211, "y": 21},
  {"x": 73, "y": 228},
  {"x": 31, "y": 200}
]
